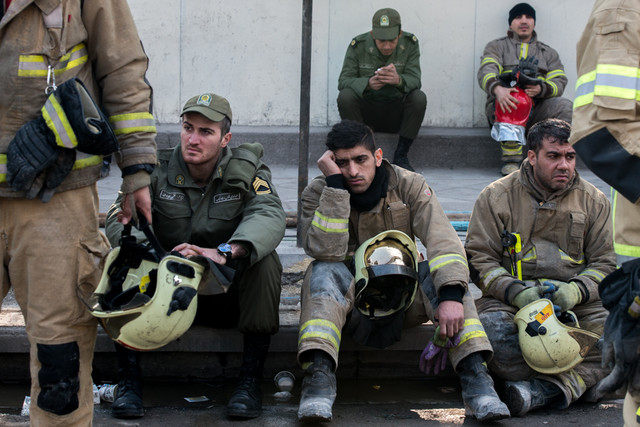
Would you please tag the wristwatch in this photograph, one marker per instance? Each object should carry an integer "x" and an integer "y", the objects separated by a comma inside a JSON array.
[{"x": 224, "y": 249}]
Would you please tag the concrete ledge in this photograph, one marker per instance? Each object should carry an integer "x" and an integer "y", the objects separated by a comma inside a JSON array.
[{"x": 434, "y": 147}]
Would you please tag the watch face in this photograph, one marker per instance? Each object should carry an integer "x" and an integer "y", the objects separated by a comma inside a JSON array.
[{"x": 224, "y": 248}]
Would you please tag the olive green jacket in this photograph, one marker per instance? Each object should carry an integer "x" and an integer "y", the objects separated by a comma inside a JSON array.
[
  {"x": 239, "y": 205},
  {"x": 363, "y": 59}
]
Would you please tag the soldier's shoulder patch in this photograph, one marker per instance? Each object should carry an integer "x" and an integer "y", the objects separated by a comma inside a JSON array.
[
  {"x": 260, "y": 186},
  {"x": 353, "y": 42},
  {"x": 414, "y": 38}
]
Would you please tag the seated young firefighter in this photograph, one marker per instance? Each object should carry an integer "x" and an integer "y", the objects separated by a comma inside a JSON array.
[
  {"x": 561, "y": 248},
  {"x": 216, "y": 202},
  {"x": 360, "y": 196}
]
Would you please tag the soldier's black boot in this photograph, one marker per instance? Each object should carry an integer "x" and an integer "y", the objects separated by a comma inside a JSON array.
[
  {"x": 480, "y": 398},
  {"x": 318, "y": 388},
  {"x": 524, "y": 396},
  {"x": 400, "y": 157},
  {"x": 246, "y": 400},
  {"x": 127, "y": 402}
]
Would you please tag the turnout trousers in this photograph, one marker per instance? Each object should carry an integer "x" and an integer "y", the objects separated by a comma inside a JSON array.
[
  {"x": 51, "y": 254},
  {"x": 327, "y": 298}
]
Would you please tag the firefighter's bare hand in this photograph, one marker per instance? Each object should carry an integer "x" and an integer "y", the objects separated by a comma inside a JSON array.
[
  {"x": 450, "y": 318},
  {"x": 139, "y": 200},
  {"x": 533, "y": 90},
  {"x": 327, "y": 164},
  {"x": 504, "y": 99}
]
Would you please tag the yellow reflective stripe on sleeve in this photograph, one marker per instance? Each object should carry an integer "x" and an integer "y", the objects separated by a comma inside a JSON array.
[
  {"x": 37, "y": 65},
  {"x": 323, "y": 329},
  {"x": 596, "y": 275},
  {"x": 554, "y": 73},
  {"x": 3, "y": 168},
  {"x": 133, "y": 122},
  {"x": 490, "y": 60},
  {"x": 443, "y": 260},
  {"x": 554, "y": 88},
  {"x": 492, "y": 275},
  {"x": 472, "y": 329},
  {"x": 566, "y": 257},
  {"x": 486, "y": 78},
  {"x": 330, "y": 225},
  {"x": 58, "y": 123},
  {"x": 84, "y": 160},
  {"x": 608, "y": 80}
]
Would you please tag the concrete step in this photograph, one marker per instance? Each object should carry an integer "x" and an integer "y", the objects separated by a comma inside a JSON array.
[{"x": 433, "y": 148}]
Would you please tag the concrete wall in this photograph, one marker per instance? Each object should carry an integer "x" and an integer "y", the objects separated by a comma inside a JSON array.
[{"x": 249, "y": 52}]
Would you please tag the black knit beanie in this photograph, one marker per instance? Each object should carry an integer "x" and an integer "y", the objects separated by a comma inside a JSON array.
[{"x": 522, "y": 9}]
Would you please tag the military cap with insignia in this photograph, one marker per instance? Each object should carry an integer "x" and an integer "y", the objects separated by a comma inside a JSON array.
[
  {"x": 212, "y": 106},
  {"x": 386, "y": 24}
]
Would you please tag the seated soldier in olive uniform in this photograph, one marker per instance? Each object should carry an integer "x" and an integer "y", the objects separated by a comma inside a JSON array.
[
  {"x": 380, "y": 82},
  {"x": 218, "y": 202}
]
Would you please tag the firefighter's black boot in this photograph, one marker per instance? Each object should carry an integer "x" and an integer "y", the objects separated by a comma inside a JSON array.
[
  {"x": 400, "y": 157},
  {"x": 127, "y": 402},
  {"x": 480, "y": 398},
  {"x": 318, "y": 388},
  {"x": 246, "y": 400},
  {"x": 524, "y": 396}
]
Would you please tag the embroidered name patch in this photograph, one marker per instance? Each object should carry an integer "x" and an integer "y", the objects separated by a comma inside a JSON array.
[
  {"x": 176, "y": 197},
  {"x": 226, "y": 197},
  {"x": 261, "y": 186}
]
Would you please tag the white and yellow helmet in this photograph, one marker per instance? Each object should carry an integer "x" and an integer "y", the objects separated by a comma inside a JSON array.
[
  {"x": 386, "y": 274},
  {"x": 144, "y": 304},
  {"x": 549, "y": 346}
]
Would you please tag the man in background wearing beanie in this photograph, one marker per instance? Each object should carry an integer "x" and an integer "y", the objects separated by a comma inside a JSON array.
[
  {"x": 502, "y": 56},
  {"x": 380, "y": 82},
  {"x": 216, "y": 202}
]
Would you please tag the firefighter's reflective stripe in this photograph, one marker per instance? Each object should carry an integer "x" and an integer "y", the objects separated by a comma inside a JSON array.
[
  {"x": 511, "y": 148},
  {"x": 133, "y": 122},
  {"x": 595, "y": 275},
  {"x": 321, "y": 328},
  {"x": 37, "y": 65},
  {"x": 446, "y": 259},
  {"x": 83, "y": 160},
  {"x": 58, "y": 123},
  {"x": 621, "y": 248},
  {"x": 524, "y": 51},
  {"x": 492, "y": 275},
  {"x": 530, "y": 256},
  {"x": 552, "y": 75},
  {"x": 472, "y": 329},
  {"x": 608, "y": 80},
  {"x": 330, "y": 225},
  {"x": 3, "y": 168},
  {"x": 488, "y": 76},
  {"x": 565, "y": 257}
]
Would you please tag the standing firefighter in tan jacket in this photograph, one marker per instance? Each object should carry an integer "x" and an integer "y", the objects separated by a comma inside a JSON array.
[
  {"x": 564, "y": 225},
  {"x": 360, "y": 196},
  {"x": 54, "y": 56}
]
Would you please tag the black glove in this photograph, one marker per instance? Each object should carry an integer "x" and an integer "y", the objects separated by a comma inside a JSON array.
[
  {"x": 528, "y": 72},
  {"x": 91, "y": 126},
  {"x": 31, "y": 151},
  {"x": 509, "y": 79}
]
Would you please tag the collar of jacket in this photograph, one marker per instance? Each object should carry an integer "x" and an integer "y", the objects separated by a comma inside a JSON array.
[
  {"x": 17, "y": 6},
  {"x": 528, "y": 181},
  {"x": 516, "y": 38},
  {"x": 178, "y": 173}
]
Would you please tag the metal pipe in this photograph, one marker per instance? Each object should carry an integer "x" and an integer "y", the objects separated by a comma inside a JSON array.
[{"x": 305, "y": 95}]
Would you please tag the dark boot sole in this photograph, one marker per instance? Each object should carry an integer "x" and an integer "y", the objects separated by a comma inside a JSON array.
[
  {"x": 242, "y": 413},
  {"x": 127, "y": 413}
]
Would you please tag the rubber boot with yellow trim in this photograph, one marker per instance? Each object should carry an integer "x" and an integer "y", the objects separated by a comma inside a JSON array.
[
  {"x": 318, "y": 388},
  {"x": 511, "y": 157},
  {"x": 480, "y": 398}
]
